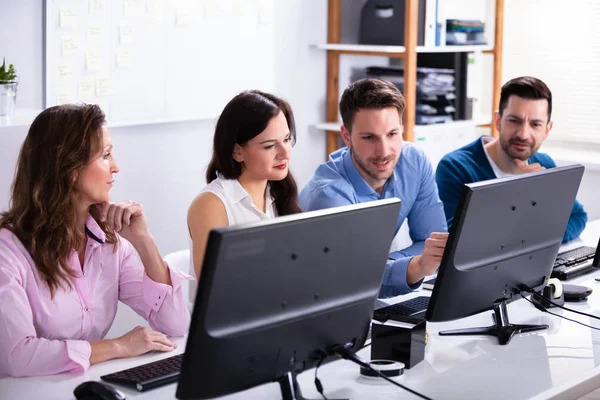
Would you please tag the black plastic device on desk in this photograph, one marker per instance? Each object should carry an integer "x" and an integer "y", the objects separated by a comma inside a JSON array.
[{"x": 576, "y": 262}]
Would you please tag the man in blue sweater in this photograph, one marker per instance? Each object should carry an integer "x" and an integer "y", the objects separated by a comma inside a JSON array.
[
  {"x": 523, "y": 122},
  {"x": 377, "y": 165}
]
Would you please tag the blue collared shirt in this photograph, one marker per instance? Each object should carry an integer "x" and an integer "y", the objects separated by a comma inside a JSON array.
[{"x": 338, "y": 183}]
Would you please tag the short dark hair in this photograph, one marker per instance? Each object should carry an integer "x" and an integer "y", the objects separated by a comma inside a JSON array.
[
  {"x": 525, "y": 87},
  {"x": 369, "y": 93},
  {"x": 245, "y": 117}
]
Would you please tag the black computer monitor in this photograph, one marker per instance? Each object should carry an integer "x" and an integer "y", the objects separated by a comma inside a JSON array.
[
  {"x": 274, "y": 295},
  {"x": 505, "y": 236}
]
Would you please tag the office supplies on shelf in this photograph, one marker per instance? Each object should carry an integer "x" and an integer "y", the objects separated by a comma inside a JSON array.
[
  {"x": 382, "y": 22},
  {"x": 436, "y": 91},
  {"x": 465, "y": 32}
]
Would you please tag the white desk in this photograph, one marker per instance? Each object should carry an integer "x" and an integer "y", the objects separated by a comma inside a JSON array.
[{"x": 562, "y": 362}]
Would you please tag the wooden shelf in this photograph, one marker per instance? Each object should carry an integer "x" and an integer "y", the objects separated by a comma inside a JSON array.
[
  {"x": 409, "y": 52},
  {"x": 397, "y": 51},
  {"x": 455, "y": 49},
  {"x": 482, "y": 121},
  {"x": 361, "y": 49}
]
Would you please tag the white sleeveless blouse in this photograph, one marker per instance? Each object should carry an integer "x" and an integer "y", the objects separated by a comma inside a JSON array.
[
  {"x": 239, "y": 207},
  {"x": 238, "y": 203}
]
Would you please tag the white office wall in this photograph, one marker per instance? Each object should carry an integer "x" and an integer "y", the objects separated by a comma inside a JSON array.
[
  {"x": 21, "y": 44},
  {"x": 162, "y": 166}
]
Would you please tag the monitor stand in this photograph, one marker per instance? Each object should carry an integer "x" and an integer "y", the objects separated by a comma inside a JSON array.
[
  {"x": 502, "y": 329},
  {"x": 290, "y": 390}
]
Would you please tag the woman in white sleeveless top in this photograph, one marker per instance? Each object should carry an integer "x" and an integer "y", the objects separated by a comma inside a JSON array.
[{"x": 248, "y": 177}]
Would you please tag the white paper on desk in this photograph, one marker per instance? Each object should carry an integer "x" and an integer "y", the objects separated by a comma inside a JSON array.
[
  {"x": 67, "y": 17},
  {"x": 64, "y": 96},
  {"x": 87, "y": 88},
  {"x": 68, "y": 45},
  {"x": 103, "y": 86},
  {"x": 93, "y": 61},
  {"x": 398, "y": 324},
  {"x": 133, "y": 8},
  {"x": 156, "y": 7},
  {"x": 124, "y": 59},
  {"x": 95, "y": 32},
  {"x": 125, "y": 32},
  {"x": 64, "y": 71},
  {"x": 97, "y": 5}
]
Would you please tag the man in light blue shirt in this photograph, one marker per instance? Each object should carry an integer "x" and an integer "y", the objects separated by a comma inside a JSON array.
[{"x": 377, "y": 165}]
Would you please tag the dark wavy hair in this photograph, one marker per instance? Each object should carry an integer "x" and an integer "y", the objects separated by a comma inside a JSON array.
[
  {"x": 42, "y": 213},
  {"x": 243, "y": 118}
]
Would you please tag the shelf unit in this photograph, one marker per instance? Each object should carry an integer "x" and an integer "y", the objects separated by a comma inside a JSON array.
[{"x": 408, "y": 53}]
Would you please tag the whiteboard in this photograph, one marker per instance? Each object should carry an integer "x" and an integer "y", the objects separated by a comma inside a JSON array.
[{"x": 155, "y": 61}]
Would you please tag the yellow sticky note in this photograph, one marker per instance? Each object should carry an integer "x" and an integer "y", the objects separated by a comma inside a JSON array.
[
  {"x": 95, "y": 32},
  {"x": 212, "y": 9},
  {"x": 64, "y": 71},
  {"x": 93, "y": 61},
  {"x": 125, "y": 32},
  {"x": 103, "y": 86},
  {"x": 68, "y": 45},
  {"x": 64, "y": 96},
  {"x": 156, "y": 7},
  {"x": 238, "y": 9},
  {"x": 87, "y": 88},
  {"x": 97, "y": 5},
  {"x": 124, "y": 59},
  {"x": 67, "y": 17},
  {"x": 133, "y": 8}
]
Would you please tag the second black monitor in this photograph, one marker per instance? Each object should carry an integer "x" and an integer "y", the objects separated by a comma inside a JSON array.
[{"x": 506, "y": 234}]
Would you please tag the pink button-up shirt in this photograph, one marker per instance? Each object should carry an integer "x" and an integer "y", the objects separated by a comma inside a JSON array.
[{"x": 40, "y": 335}]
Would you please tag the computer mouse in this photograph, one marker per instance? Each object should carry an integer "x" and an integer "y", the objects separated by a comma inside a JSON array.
[{"x": 94, "y": 390}]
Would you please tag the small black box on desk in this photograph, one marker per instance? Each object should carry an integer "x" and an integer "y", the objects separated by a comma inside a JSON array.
[{"x": 398, "y": 341}]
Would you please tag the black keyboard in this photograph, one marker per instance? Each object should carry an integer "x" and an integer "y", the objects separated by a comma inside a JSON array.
[
  {"x": 412, "y": 311},
  {"x": 574, "y": 262},
  {"x": 148, "y": 376}
]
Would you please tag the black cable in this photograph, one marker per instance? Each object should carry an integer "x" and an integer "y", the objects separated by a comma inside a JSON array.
[
  {"x": 318, "y": 384},
  {"x": 544, "y": 309},
  {"x": 527, "y": 289},
  {"x": 348, "y": 355}
]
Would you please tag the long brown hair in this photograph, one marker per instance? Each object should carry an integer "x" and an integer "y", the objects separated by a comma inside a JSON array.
[
  {"x": 43, "y": 207},
  {"x": 245, "y": 117}
]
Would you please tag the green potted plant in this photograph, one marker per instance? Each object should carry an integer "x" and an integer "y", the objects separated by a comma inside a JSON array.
[{"x": 8, "y": 89}]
